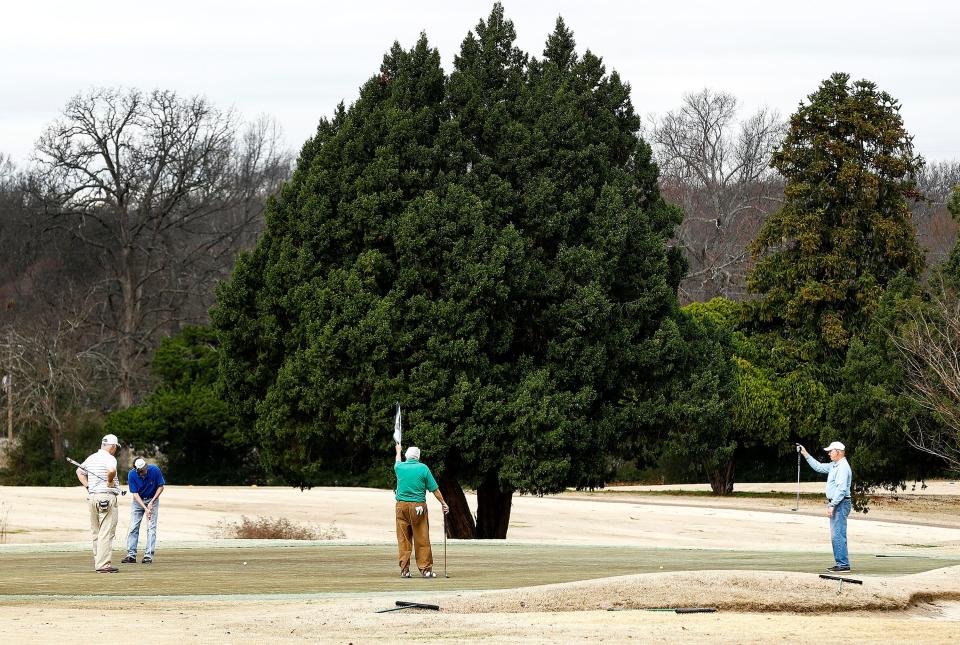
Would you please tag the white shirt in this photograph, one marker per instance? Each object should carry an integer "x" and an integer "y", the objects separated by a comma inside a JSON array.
[{"x": 99, "y": 464}]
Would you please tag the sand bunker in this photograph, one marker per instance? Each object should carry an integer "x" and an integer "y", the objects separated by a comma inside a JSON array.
[{"x": 760, "y": 591}]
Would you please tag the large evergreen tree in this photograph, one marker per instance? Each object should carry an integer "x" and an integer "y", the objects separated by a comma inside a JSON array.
[
  {"x": 844, "y": 231},
  {"x": 825, "y": 261},
  {"x": 489, "y": 250}
]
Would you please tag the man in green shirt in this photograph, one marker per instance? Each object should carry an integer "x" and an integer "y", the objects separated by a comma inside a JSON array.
[{"x": 413, "y": 528}]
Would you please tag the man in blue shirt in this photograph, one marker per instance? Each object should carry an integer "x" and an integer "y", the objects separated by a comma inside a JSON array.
[
  {"x": 146, "y": 484},
  {"x": 839, "y": 478}
]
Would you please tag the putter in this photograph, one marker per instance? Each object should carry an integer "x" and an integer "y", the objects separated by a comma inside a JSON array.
[
  {"x": 797, "y": 505},
  {"x": 445, "y": 574},
  {"x": 80, "y": 466}
]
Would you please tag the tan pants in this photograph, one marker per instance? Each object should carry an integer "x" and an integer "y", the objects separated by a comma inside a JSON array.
[
  {"x": 410, "y": 525},
  {"x": 103, "y": 526}
]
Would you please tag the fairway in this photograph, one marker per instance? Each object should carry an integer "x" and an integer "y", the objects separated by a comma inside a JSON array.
[{"x": 334, "y": 568}]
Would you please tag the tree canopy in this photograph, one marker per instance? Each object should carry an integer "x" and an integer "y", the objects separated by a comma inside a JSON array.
[
  {"x": 844, "y": 231},
  {"x": 488, "y": 249}
]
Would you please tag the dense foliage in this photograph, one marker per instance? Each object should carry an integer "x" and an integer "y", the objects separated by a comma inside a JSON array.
[
  {"x": 185, "y": 420},
  {"x": 488, "y": 249}
]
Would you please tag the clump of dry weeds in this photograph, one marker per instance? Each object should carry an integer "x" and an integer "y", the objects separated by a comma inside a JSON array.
[{"x": 270, "y": 528}]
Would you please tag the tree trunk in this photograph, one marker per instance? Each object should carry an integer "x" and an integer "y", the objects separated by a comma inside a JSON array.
[
  {"x": 126, "y": 346},
  {"x": 493, "y": 509},
  {"x": 56, "y": 442},
  {"x": 460, "y": 523},
  {"x": 721, "y": 479}
]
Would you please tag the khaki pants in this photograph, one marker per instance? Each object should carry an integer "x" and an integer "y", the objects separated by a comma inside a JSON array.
[
  {"x": 103, "y": 526},
  {"x": 410, "y": 525}
]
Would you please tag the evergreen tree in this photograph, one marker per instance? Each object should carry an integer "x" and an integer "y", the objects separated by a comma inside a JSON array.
[
  {"x": 844, "y": 231},
  {"x": 488, "y": 250},
  {"x": 824, "y": 262},
  {"x": 185, "y": 419}
]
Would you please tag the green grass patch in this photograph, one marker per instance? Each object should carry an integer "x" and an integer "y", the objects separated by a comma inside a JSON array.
[{"x": 333, "y": 568}]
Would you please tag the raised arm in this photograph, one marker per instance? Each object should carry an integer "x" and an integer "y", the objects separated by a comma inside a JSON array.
[
  {"x": 816, "y": 465},
  {"x": 399, "y": 450}
]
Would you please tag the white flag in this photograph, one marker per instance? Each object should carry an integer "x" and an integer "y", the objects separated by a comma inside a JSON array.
[{"x": 397, "y": 426}]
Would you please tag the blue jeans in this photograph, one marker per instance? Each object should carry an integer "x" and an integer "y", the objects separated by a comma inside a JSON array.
[
  {"x": 838, "y": 532},
  {"x": 136, "y": 515}
]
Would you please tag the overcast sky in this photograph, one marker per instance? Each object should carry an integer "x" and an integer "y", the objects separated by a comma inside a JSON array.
[{"x": 294, "y": 60}]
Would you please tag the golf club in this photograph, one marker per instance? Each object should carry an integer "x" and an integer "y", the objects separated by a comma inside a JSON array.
[
  {"x": 80, "y": 466},
  {"x": 445, "y": 574},
  {"x": 797, "y": 505}
]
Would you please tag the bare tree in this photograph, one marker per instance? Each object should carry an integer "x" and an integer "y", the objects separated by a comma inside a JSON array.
[
  {"x": 930, "y": 347},
  {"x": 718, "y": 170},
  {"x": 51, "y": 376},
  {"x": 161, "y": 191},
  {"x": 936, "y": 228}
]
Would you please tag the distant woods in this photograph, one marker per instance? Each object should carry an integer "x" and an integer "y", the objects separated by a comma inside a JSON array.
[
  {"x": 509, "y": 228},
  {"x": 134, "y": 205}
]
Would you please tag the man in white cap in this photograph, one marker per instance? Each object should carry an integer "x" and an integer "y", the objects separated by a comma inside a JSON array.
[
  {"x": 414, "y": 479},
  {"x": 146, "y": 483},
  {"x": 103, "y": 486},
  {"x": 839, "y": 479}
]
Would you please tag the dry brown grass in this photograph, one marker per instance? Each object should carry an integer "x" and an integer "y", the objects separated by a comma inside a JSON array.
[
  {"x": 270, "y": 528},
  {"x": 4, "y": 515}
]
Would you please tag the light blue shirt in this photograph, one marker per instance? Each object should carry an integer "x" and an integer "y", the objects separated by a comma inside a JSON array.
[{"x": 839, "y": 478}]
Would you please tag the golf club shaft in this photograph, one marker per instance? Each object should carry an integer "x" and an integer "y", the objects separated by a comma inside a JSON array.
[
  {"x": 81, "y": 467},
  {"x": 797, "y": 505}
]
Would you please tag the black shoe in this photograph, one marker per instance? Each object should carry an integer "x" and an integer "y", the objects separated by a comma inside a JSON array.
[
  {"x": 838, "y": 569},
  {"x": 128, "y": 560},
  {"x": 147, "y": 560}
]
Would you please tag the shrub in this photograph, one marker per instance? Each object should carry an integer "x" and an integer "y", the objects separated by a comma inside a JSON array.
[{"x": 269, "y": 528}]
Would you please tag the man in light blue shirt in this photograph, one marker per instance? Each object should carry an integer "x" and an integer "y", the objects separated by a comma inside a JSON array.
[{"x": 839, "y": 478}]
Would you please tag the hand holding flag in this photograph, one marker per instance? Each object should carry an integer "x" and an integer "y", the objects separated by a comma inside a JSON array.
[{"x": 397, "y": 427}]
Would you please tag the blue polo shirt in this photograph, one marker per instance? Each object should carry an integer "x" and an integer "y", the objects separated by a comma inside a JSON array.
[{"x": 147, "y": 485}]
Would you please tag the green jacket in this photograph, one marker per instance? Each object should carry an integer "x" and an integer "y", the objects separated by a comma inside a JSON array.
[{"x": 413, "y": 480}]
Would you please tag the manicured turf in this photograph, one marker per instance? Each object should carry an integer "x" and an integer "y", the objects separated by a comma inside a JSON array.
[{"x": 349, "y": 568}]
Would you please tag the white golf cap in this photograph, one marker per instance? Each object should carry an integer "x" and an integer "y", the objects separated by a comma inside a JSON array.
[
  {"x": 836, "y": 445},
  {"x": 109, "y": 440},
  {"x": 139, "y": 463},
  {"x": 413, "y": 452}
]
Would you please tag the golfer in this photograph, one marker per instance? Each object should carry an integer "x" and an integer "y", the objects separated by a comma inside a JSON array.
[
  {"x": 839, "y": 478},
  {"x": 413, "y": 481},
  {"x": 146, "y": 484},
  {"x": 102, "y": 489}
]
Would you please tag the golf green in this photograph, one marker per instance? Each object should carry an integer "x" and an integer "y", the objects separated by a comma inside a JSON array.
[{"x": 335, "y": 568}]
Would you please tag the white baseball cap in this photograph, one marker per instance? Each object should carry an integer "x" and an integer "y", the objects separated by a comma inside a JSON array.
[
  {"x": 413, "y": 452},
  {"x": 836, "y": 445},
  {"x": 139, "y": 463},
  {"x": 109, "y": 440}
]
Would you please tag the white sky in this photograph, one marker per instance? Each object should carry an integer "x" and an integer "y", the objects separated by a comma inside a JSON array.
[{"x": 294, "y": 60}]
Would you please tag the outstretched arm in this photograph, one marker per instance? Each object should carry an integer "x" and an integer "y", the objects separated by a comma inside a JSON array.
[{"x": 399, "y": 448}]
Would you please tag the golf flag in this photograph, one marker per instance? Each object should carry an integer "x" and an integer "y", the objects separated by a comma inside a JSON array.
[{"x": 397, "y": 426}]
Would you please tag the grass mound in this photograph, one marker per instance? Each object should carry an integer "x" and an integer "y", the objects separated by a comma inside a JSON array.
[{"x": 759, "y": 591}]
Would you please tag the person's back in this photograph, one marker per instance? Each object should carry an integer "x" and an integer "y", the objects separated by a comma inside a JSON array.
[{"x": 414, "y": 479}]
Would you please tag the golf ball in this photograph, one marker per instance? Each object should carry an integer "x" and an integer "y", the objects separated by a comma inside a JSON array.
[{"x": 660, "y": 567}]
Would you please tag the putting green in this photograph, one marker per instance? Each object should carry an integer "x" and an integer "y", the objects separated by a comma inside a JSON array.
[{"x": 333, "y": 568}]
